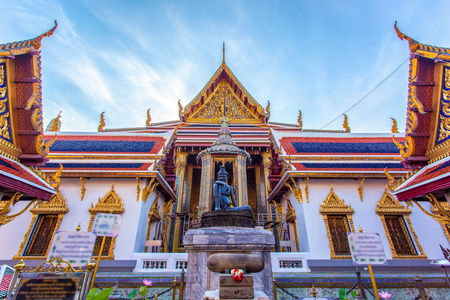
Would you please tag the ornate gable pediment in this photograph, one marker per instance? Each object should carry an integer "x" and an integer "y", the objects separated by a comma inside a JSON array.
[
  {"x": 207, "y": 106},
  {"x": 110, "y": 203},
  {"x": 212, "y": 109},
  {"x": 334, "y": 205},
  {"x": 389, "y": 205}
]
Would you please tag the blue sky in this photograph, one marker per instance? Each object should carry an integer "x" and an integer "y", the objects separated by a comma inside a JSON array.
[{"x": 320, "y": 57}]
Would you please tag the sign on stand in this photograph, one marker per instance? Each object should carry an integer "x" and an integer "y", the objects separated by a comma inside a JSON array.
[
  {"x": 73, "y": 246},
  {"x": 366, "y": 248},
  {"x": 106, "y": 224}
]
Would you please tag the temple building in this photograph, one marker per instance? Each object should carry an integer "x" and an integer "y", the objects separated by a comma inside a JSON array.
[{"x": 295, "y": 179}]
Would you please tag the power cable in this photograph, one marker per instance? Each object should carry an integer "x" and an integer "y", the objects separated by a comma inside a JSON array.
[{"x": 366, "y": 95}]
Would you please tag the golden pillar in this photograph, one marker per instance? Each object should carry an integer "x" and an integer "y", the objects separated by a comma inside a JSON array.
[
  {"x": 241, "y": 180},
  {"x": 207, "y": 181},
  {"x": 180, "y": 163}
]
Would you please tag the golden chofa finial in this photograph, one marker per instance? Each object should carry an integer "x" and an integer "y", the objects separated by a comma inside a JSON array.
[
  {"x": 345, "y": 125},
  {"x": 394, "y": 128},
  {"x": 223, "y": 59},
  {"x": 101, "y": 127},
  {"x": 149, "y": 118}
]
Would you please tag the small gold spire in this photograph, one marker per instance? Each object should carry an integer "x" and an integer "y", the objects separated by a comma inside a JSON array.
[
  {"x": 313, "y": 292},
  {"x": 79, "y": 227},
  {"x": 223, "y": 60},
  {"x": 101, "y": 127},
  {"x": 394, "y": 128},
  {"x": 360, "y": 229}
]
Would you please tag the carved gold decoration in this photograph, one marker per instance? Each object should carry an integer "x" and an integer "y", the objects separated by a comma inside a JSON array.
[
  {"x": 54, "y": 265},
  {"x": 5, "y": 208},
  {"x": 299, "y": 119},
  {"x": 2, "y": 74},
  {"x": 101, "y": 127},
  {"x": 413, "y": 44},
  {"x": 394, "y": 128},
  {"x": 56, "y": 178},
  {"x": 180, "y": 109},
  {"x": 83, "y": 188},
  {"x": 165, "y": 230},
  {"x": 345, "y": 125},
  {"x": 153, "y": 215},
  {"x": 3, "y": 105},
  {"x": 296, "y": 191},
  {"x": 407, "y": 148},
  {"x": 149, "y": 189},
  {"x": 444, "y": 224},
  {"x": 55, "y": 124},
  {"x": 42, "y": 146},
  {"x": 110, "y": 203},
  {"x": 3, "y": 93},
  {"x": 333, "y": 205},
  {"x": 4, "y": 126},
  {"x": 57, "y": 205},
  {"x": 211, "y": 110},
  {"x": 392, "y": 182},
  {"x": 360, "y": 189},
  {"x": 138, "y": 189},
  {"x": 291, "y": 218},
  {"x": 307, "y": 190},
  {"x": 268, "y": 108},
  {"x": 267, "y": 163},
  {"x": 388, "y": 205},
  {"x": 440, "y": 214},
  {"x": 149, "y": 118}
]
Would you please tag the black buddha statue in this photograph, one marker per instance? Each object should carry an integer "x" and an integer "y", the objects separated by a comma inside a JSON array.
[{"x": 223, "y": 194}]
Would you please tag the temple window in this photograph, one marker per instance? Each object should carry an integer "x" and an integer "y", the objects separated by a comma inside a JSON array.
[
  {"x": 338, "y": 222},
  {"x": 402, "y": 239},
  {"x": 45, "y": 221},
  {"x": 113, "y": 204}
]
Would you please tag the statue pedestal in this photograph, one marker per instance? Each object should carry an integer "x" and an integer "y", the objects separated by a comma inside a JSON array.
[
  {"x": 235, "y": 218},
  {"x": 200, "y": 243}
]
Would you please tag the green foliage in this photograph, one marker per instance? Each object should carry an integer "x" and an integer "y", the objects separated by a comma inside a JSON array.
[
  {"x": 132, "y": 294},
  {"x": 143, "y": 290},
  {"x": 97, "y": 294}
]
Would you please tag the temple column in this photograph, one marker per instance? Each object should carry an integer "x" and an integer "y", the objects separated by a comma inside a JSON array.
[
  {"x": 267, "y": 163},
  {"x": 207, "y": 181},
  {"x": 241, "y": 187},
  {"x": 180, "y": 163}
]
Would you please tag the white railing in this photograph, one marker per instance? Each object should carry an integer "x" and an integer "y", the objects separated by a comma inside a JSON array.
[
  {"x": 290, "y": 262},
  {"x": 160, "y": 262}
]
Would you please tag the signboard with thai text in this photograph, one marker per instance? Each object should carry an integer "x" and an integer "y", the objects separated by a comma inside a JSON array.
[
  {"x": 47, "y": 288},
  {"x": 76, "y": 247},
  {"x": 106, "y": 224},
  {"x": 366, "y": 248}
]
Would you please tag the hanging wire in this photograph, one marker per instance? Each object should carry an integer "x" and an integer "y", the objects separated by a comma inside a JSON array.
[{"x": 366, "y": 95}]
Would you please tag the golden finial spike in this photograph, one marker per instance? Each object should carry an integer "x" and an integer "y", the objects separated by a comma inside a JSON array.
[
  {"x": 394, "y": 128},
  {"x": 149, "y": 118},
  {"x": 360, "y": 229},
  {"x": 79, "y": 227},
  {"x": 345, "y": 125},
  {"x": 299, "y": 119},
  {"x": 101, "y": 127},
  {"x": 223, "y": 59}
]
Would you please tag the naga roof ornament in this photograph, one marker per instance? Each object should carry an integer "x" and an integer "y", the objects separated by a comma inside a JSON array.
[{"x": 17, "y": 48}]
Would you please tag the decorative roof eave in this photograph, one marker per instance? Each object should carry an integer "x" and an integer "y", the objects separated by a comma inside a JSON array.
[
  {"x": 433, "y": 52},
  {"x": 22, "y": 47},
  {"x": 208, "y": 89}
]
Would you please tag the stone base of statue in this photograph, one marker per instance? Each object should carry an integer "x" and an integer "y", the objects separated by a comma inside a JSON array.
[
  {"x": 219, "y": 218},
  {"x": 201, "y": 243}
]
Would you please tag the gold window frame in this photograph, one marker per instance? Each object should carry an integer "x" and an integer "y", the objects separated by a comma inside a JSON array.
[
  {"x": 57, "y": 205},
  {"x": 153, "y": 215},
  {"x": 388, "y": 205},
  {"x": 333, "y": 205},
  {"x": 291, "y": 218},
  {"x": 110, "y": 203}
]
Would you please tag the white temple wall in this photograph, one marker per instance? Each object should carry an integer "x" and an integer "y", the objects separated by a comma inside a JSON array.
[
  {"x": 11, "y": 234},
  {"x": 311, "y": 229}
]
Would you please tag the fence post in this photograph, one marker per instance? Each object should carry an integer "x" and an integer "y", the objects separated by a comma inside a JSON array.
[
  {"x": 274, "y": 289},
  {"x": 18, "y": 269},
  {"x": 174, "y": 291},
  {"x": 422, "y": 293},
  {"x": 181, "y": 292}
]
